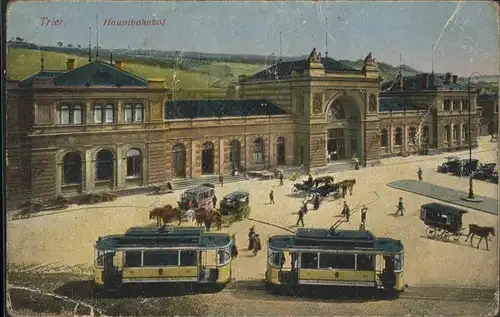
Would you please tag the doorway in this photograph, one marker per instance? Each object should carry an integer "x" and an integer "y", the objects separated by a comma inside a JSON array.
[
  {"x": 336, "y": 144},
  {"x": 207, "y": 158},
  {"x": 280, "y": 151}
]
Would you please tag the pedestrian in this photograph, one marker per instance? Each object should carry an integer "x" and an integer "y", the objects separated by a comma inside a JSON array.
[
  {"x": 221, "y": 180},
  {"x": 316, "y": 202},
  {"x": 363, "y": 213},
  {"x": 281, "y": 179},
  {"x": 301, "y": 217},
  {"x": 251, "y": 235},
  {"x": 256, "y": 245},
  {"x": 400, "y": 206},
  {"x": 346, "y": 211},
  {"x": 419, "y": 173},
  {"x": 271, "y": 197},
  {"x": 234, "y": 249},
  {"x": 304, "y": 207},
  {"x": 214, "y": 200},
  {"x": 362, "y": 226}
]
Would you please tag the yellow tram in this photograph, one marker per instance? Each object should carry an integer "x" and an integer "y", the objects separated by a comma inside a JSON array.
[
  {"x": 171, "y": 254},
  {"x": 344, "y": 258}
]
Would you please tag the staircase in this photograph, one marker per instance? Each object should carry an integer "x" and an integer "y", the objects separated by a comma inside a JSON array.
[{"x": 179, "y": 184}]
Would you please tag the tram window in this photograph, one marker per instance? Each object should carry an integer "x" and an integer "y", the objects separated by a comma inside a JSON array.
[
  {"x": 309, "y": 260},
  {"x": 188, "y": 258},
  {"x": 398, "y": 262},
  {"x": 161, "y": 258},
  {"x": 133, "y": 258},
  {"x": 364, "y": 262},
  {"x": 99, "y": 262},
  {"x": 224, "y": 256},
  {"x": 336, "y": 261}
]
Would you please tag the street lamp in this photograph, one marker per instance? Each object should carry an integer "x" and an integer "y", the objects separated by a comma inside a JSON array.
[
  {"x": 470, "y": 196},
  {"x": 266, "y": 109}
]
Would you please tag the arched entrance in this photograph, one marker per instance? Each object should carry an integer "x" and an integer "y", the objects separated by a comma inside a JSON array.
[
  {"x": 343, "y": 130},
  {"x": 280, "y": 151},
  {"x": 72, "y": 173},
  {"x": 235, "y": 155},
  {"x": 104, "y": 169},
  {"x": 207, "y": 158},
  {"x": 179, "y": 161}
]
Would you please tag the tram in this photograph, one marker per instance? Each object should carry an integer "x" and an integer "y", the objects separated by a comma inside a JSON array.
[
  {"x": 165, "y": 255},
  {"x": 332, "y": 257}
]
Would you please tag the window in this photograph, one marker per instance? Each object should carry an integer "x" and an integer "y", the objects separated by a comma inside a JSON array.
[
  {"x": 224, "y": 256},
  {"x": 133, "y": 259},
  {"x": 72, "y": 168},
  {"x": 104, "y": 165},
  {"x": 456, "y": 136},
  {"x": 364, "y": 262},
  {"x": 337, "y": 261},
  {"x": 161, "y": 258},
  {"x": 398, "y": 262},
  {"x": 425, "y": 134},
  {"x": 465, "y": 104},
  {"x": 110, "y": 113},
  {"x": 384, "y": 138},
  {"x": 189, "y": 258},
  {"x": 275, "y": 257},
  {"x": 412, "y": 135},
  {"x": 134, "y": 163},
  {"x": 447, "y": 105},
  {"x": 258, "y": 151},
  {"x": 133, "y": 113},
  {"x": 309, "y": 260},
  {"x": 446, "y": 133},
  {"x": 465, "y": 132},
  {"x": 456, "y": 105},
  {"x": 399, "y": 136},
  {"x": 71, "y": 114},
  {"x": 100, "y": 257},
  {"x": 97, "y": 113}
]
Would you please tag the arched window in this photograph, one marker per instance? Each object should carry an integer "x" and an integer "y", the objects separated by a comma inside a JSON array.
[
  {"x": 446, "y": 133},
  {"x": 72, "y": 168},
  {"x": 384, "y": 138},
  {"x": 258, "y": 151},
  {"x": 465, "y": 132},
  {"x": 98, "y": 113},
  {"x": 104, "y": 165},
  {"x": 280, "y": 151},
  {"x": 456, "y": 135},
  {"x": 138, "y": 113},
  {"x": 235, "y": 154},
  {"x": 77, "y": 114},
  {"x": 129, "y": 115},
  {"x": 179, "y": 160},
  {"x": 65, "y": 114},
  {"x": 398, "y": 138},
  {"x": 336, "y": 111},
  {"x": 110, "y": 113},
  {"x": 134, "y": 163},
  {"x": 412, "y": 135}
]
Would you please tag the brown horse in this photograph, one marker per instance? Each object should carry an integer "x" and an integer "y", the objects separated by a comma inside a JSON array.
[
  {"x": 323, "y": 180},
  {"x": 347, "y": 184},
  {"x": 481, "y": 232},
  {"x": 165, "y": 213},
  {"x": 207, "y": 217}
]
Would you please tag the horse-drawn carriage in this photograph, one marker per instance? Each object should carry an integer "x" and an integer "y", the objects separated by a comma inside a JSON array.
[
  {"x": 197, "y": 197},
  {"x": 452, "y": 163},
  {"x": 328, "y": 191},
  {"x": 234, "y": 207},
  {"x": 305, "y": 187},
  {"x": 442, "y": 220}
]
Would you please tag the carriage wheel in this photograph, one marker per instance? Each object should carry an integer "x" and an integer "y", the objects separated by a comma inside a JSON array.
[
  {"x": 457, "y": 235},
  {"x": 445, "y": 236},
  {"x": 439, "y": 231},
  {"x": 295, "y": 191},
  {"x": 430, "y": 232}
]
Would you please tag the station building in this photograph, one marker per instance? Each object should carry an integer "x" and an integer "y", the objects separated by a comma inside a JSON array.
[{"x": 98, "y": 127}]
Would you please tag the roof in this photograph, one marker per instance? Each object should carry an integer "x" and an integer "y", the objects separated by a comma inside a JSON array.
[
  {"x": 170, "y": 237},
  {"x": 337, "y": 240},
  {"x": 198, "y": 189},
  {"x": 415, "y": 83},
  {"x": 28, "y": 81},
  {"x": 191, "y": 109},
  {"x": 99, "y": 73},
  {"x": 397, "y": 104},
  {"x": 236, "y": 194},
  {"x": 283, "y": 70},
  {"x": 446, "y": 208}
]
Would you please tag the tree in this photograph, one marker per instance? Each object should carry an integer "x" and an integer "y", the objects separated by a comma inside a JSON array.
[
  {"x": 60, "y": 44},
  {"x": 70, "y": 45}
]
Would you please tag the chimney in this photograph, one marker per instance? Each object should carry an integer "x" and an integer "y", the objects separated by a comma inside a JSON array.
[
  {"x": 70, "y": 63},
  {"x": 425, "y": 81},
  {"x": 118, "y": 64},
  {"x": 455, "y": 77},
  {"x": 448, "y": 78}
]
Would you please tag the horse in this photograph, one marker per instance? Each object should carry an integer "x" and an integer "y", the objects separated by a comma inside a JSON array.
[
  {"x": 481, "y": 232},
  {"x": 165, "y": 213},
  {"x": 347, "y": 184},
  {"x": 323, "y": 180},
  {"x": 208, "y": 217}
]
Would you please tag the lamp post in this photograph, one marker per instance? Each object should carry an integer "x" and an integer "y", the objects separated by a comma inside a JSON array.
[
  {"x": 470, "y": 196},
  {"x": 264, "y": 105}
]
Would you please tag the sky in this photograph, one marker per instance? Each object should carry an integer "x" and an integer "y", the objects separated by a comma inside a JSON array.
[{"x": 464, "y": 34}]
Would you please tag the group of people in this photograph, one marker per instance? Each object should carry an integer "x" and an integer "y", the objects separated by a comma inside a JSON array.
[{"x": 254, "y": 241}]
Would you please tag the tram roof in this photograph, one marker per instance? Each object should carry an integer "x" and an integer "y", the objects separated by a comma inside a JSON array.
[
  {"x": 198, "y": 189},
  {"x": 325, "y": 239},
  {"x": 444, "y": 208},
  {"x": 138, "y": 237}
]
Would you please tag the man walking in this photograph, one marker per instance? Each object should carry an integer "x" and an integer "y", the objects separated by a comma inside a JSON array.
[
  {"x": 301, "y": 217},
  {"x": 221, "y": 180},
  {"x": 271, "y": 198},
  {"x": 281, "y": 178},
  {"x": 363, "y": 213},
  {"x": 400, "y": 206},
  {"x": 346, "y": 211},
  {"x": 214, "y": 200},
  {"x": 419, "y": 173}
]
